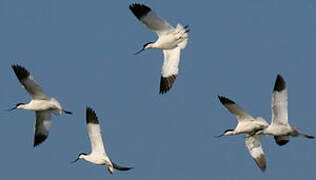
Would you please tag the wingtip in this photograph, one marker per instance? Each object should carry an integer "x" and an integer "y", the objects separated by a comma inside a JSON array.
[
  {"x": 139, "y": 10},
  {"x": 279, "y": 83},
  {"x": 261, "y": 162},
  {"x": 166, "y": 83},
  {"x": 38, "y": 139},
  {"x": 20, "y": 71},
  {"x": 281, "y": 140},
  {"x": 91, "y": 116},
  {"x": 225, "y": 100}
]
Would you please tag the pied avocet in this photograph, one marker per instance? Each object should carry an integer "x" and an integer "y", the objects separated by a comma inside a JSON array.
[
  {"x": 98, "y": 154},
  {"x": 171, "y": 40},
  {"x": 40, "y": 103},
  {"x": 247, "y": 125},
  {"x": 280, "y": 127}
]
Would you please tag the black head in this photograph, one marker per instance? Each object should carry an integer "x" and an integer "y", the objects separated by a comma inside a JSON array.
[
  {"x": 144, "y": 47},
  {"x": 147, "y": 44},
  {"x": 16, "y": 106},
  {"x": 227, "y": 130},
  {"x": 79, "y": 157}
]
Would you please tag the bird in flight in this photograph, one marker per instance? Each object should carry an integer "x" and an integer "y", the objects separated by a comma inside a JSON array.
[
  {"x": 249, "y": 126},
  {"x": 40, "y": 103},
  {"x": 170, "y": 40},
  {"x": 280, "y": 127},
  {"x": 98, "y": 154}
]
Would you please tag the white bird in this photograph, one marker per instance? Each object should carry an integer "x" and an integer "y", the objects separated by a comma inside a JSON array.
[
  {"x": 247, "y": 125},
  {"x": 171, "y": 40},
  {"x": 280, "y": 127},
  {"x": 40, "y": 103},
  {"x": 98, "y": 154}
]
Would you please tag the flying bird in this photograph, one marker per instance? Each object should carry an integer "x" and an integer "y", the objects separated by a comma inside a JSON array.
[
  {"x": 170, "y": 40},
  {"x": 40, "y": 103},
  {"x": 249, "y": 126},
  {"x": 280, "y": 127},
  {"x": 98, "y": 154}
]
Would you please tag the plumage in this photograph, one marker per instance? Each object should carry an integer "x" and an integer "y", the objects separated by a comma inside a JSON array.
[
  {"x": 139, "y": 10},
  {"x": 94, "y": 132},
  {"x": 166, "y": 83},
  {"x": 42, "y": 126},
  {"x": 150, "y": 19},
  {"x": 29, "y": 83},
  {"x": 281, "y": 140},
  {"x": 235, "y": 109},
  {"x": 253, "y": 143}
]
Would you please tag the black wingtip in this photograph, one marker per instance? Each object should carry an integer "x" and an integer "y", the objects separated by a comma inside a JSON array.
[
  {"x": 139, "y": 10},
  {"x": 225, "y": 100},
  {"x": 120, "y": 168},
  {"x": 281, "y": 140},
  {"x": 279, "y": 83},
  {"x": 166, "y": 83},
  {"x": 20, "y": 72},
  {"x": 38, "y": 139},
  {"x": 91, "y": 116}
]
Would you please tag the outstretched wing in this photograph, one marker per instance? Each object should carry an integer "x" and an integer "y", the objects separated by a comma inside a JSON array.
[
  {"x": 42, "y": 126},
  {"x": 233, "y": 108},
  {"x": 28, "y": 82},
  {"x": 94, "y": 132},
  {"x": 254, "y": 146},
  {"x": 150, "y": 19},
  {"x": 170, "y": 69},
  {"x": 279, "y": 102}
]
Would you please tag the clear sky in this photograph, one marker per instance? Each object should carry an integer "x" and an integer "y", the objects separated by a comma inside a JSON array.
[{"x": 81, "y": 53}]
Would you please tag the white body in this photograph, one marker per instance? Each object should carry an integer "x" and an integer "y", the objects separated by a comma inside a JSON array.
[{"x": 42, "y": 105}]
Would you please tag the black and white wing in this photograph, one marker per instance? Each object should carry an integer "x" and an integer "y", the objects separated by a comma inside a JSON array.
[
  {"x": 254, "y": 146},
  {"x": 42, "y": 126},
  {"x": 29, "y": 83},
  {"x": 170, "y": 69},
  {"x": 94, "y": 132},
  {"x": 151, "y": 19},
  {"x": 236, "y": 110},
  {"x": 279, "y": 102}
]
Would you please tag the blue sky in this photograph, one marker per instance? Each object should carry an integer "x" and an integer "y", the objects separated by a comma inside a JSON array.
[{"x": 81, "y": 53}]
